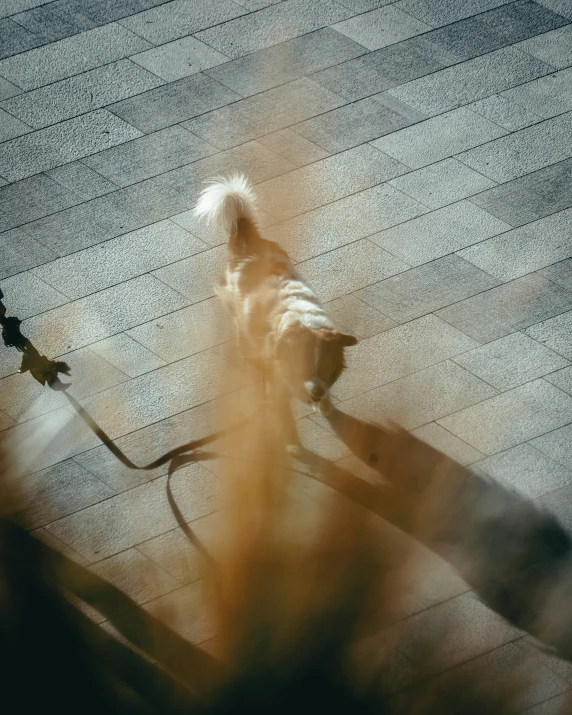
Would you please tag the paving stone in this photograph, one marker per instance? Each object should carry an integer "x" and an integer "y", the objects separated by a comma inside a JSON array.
[
  {"x": 176, "y": 555},
  {"x": 398, "y": 352},
  {"x": 530, "y": 197},
  {"x": 552, "y": 706},
  {"x": 15, "y": 39},
  {"x": 426, "y": 288},
  {"x": 11, "y": 127},
  {"x": 127, "y": 355},
  {"x": 81, "y": 93},
  {"x": 345, "y": 221},
  {"x": 70, "y": 56},
  {"x": 381, "y": 27},
  {"x": 257, "y": 4},
  {"x": 439, "y": 233},
  {"x": 526, "y": 470},
  {"x": 382, "y": 69},
  {"x": 187, "y": 331},
  {"x": 7, "y": 89},
  {"x": 10, "y": 7},
  {"x": 470, "y": 81},
  {"x": 85, "y": 182},
  {"x": 58, "y": 491},
  {"x": 545, "y": 96},
  {"x": 43, "y": 196},
  {"x": 524, "y": 249},
  {"x": 439, "y": 137},
  {"x": 557, "y": 445},
  {"x": 351, "y": 315},
  {"x": 126, "y": 519},
  {"x": 512, "y": 417},
  {"x": 445, "y": 442},
  {"x": 511, "y": 361},
  {"x": 560, "y": 273},
  {"x": 369, "y": 118},
  {"x": 195, "y": 277},
  {"x": 554, "y": 48},
  {"x": 173, "y": 103},
  {"x": 442, "y": 183},
  {"x": 97, "y": 316},
  {"x": 149, "y": 155},
  {"x": 112, "y": 262},
  {"x": 263, "y": 113},
  {"x": 500, "y": 110},
  {"x": 348, "y": 269},
  {"x": 420, "y": 398},
  {"x": 442, "y": 12},
  {"x": 562, "y": 7},
  {"x": 67, "y": 141},
  {"x": 18, "y": 253},
  {"x": 179, "y": 609},
  {"x": 555, "y": 333},
  {"x": 46, "y": 24},
  {"x": 179, "y": 58},
  {"x": 508, "y": 307},
  {"x": 179, "y": 18},
  {"x": 272, "y": 25},
  {"x": 364, "y": 5},
  {"x": 286, "y": 62},
  {"x": 293, "y": 147},
  {"x": 26, "y": 295},
  {"x": 325, "y": 181}
]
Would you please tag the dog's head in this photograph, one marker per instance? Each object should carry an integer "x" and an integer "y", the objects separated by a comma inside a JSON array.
[{"x": 311, "y": 360}]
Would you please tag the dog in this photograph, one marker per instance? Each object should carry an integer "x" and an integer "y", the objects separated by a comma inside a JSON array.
[{"x": 280, "y": 322}]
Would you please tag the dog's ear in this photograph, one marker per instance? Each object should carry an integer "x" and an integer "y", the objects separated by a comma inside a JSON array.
[{"x": 347, "y": 340}]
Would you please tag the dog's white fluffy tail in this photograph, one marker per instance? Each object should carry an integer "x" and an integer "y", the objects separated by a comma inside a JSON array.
[{"x": 225, "y": 201}]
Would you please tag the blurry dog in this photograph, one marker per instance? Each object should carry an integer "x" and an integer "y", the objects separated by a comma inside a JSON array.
[{"x": 280, "y": 322}]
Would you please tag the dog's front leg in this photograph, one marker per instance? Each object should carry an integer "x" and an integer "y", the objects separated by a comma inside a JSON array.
[{"x": 281, "y": 402}]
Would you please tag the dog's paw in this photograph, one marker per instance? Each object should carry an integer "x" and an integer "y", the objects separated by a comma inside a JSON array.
[
  {"x": 294, "y": 450},
  {"x": 325, "y": 407}
]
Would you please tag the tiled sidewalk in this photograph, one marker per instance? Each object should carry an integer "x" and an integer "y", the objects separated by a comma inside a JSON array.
[{"x": 414, "y": 157}]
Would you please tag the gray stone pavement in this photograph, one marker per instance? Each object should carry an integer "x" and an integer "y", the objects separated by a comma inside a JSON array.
[{"x": 414, "y": 157}]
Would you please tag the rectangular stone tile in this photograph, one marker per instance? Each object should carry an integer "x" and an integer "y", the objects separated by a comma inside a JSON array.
[
  {"x": 112, "y": 262},
  {"x": 526, "y": 470},
  {"x": 5, "y": 421},
  {"x": 19, "y": 252},
  {"x": 554, "y": 48},
  {"x": 325, "y": 181},
  {"x": 382, "y": 69},
  {"x": 511, "y": 361},
  {"x": 286, "y": 62},
  {"x": 500, "y": 110},
  {"x": 78, "y": 177},
  {"x": 7, "y": 89},
  {"x": 43, "y": 196},
  {"x": 127, "y": 355},
  {"x": 420, "y": 398},
  {"x": 398, "y": 352},
  {"x": 560, "y": 273},
  {"x": 173, "y": 103},
  {"x": 560, "y": 6},
  {"x": 150, "y": 155},
  {"x": 187, "y": 331},
  {"x": 545, "y": 96},
  {"x": 176, "y": 555},
  {"x": 358, "y": 122},
  {"x": 10, "y": 127},
  {"x": 179, "y": 58},
  {"x": 102, "y": 314},
  {"x": 364, "y": 5},
  {"x": 71, "y": 56},
  {"x": 554, "y": 333},
  {"x": 442, "y": 183},
  {"x": 15, "y": 39},
  {"x": 54, "y": 146},
  {"x": 445, "y": 442},
  {"x": 524, "y": 249},
  {"x": 426, "y": 288},
  {"x": 439, "y": 137},
  {"x": 272, "y": 25},
  {"x": 26, "y": 295},
  {"x": 99, "y": 12},
  {"x": 522, "y": 152},
  {"x": 10, "y": 7},
  {"x": 381, "y": 27},
  {"x": 46, "y": 24},
  {"x": 557, "y": 445},
  {"x": 126, "y": 519},
  {"x": 263, "y": 113},
  {"x": 470, "y": 81},
  {"x": 351, "y": 315},
  {"x": 195, "y": 277},
  {"x": 293, "y": 147},
  {"x": 345, "y": 221},
  {"x": 81, "y": 93},
  {"x": 439, "y": 232},
  {"x": 59, "y": 491},
  {"x": 513, "y": 417},
  {"x": 179, "y": 18},
  {"x": 348, "y": 269},
  {"x": 442, "y": 12},
  {"x": 507, "y": 308}
]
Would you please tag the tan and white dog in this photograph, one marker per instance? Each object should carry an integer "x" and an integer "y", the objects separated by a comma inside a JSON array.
[{"x": 280, "y": 322}]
